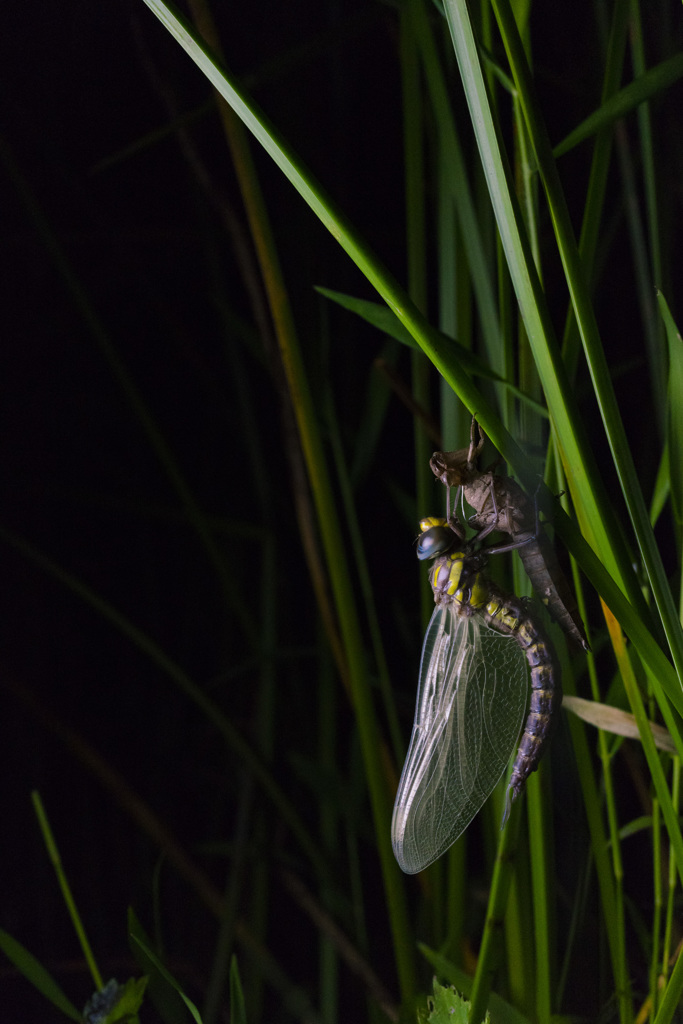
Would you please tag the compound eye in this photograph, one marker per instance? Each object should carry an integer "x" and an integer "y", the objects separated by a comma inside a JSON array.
[{"x": 438, "y": 540}]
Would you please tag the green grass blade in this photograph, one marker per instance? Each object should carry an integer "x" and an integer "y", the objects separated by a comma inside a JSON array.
[
  {"x": 365, "y": 582},
  {"x": 541, "y": 891},
  {"x": 241, "y": 747},
  {"x": 557, "y": 391},
  {"x": 152, "y": 431},
  {"x": 301, "y": 396},
  {"x": 650, "y": 165},
  {"x": 644, "y": 88},
  {"x": 384, "y": 320},
  {"x": 583, "y": 480},
  {"x": 673, "y": 994},
  {"x": 35, "y": 973},
  {"x": 429, "y": 339},
  {"x": 674, "y": 409},
  {"x": 498, "y": 896},
  {"x": 463, "y": 202},
  {"x": 376, "y": 315},
  {"x": 585, "y": 317},
  {"x": 70, "y": 903},
  {"x": 590, "y": 498},
  {"x": 238, "y": 1010},
  {"x": 165, "y": 974}
]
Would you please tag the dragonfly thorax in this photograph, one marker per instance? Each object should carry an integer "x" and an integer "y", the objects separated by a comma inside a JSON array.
[{"x": 456, "y": 579}]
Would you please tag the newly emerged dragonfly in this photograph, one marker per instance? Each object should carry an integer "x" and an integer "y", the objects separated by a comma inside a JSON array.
[
  {"x": 500, "y": 504},
  {"x": 471, "y": 701}
]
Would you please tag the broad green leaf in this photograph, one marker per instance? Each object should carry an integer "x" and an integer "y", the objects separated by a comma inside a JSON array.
[
  {"x": 503, "y": 1013},
  {"x": 116, "y": 1004},
  {"x": 449, "y": 1007}
]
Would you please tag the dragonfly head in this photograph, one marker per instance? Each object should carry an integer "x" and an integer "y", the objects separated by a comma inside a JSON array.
[{"x": 438, "y": 538}]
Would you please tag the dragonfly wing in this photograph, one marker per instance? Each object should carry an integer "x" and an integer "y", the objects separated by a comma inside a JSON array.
[{"x": 471, "y": 700}]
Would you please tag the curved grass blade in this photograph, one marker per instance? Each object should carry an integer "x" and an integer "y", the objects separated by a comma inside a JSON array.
[
  {"x": 165, "y": 974},
  {"x": 644, "y": 87},
  {"x": 34, "y": 972},
  {"x": 386, "y": 321}
]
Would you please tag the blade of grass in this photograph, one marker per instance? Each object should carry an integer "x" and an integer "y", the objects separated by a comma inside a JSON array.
[
  {"x": 590, "y": 497},
  {"x": 674, "y": 425},
  {"x": 56, "y": 861},
  {"x": 165, "y": 974},
  {"x": 541, "y": 893},
  {"x": 592, "y": 222},
  {"x": 365, "y": 581},
  {"x": 328, "y": 520},
  {"x": 673, "y": 995},
  {"x": 415, "y": 210},
  {"x": 650, "y": 162},
  {"x": 498, "y": 896},
  {"x": 238, "y": 1010},
  {"x": 151, "y": 428},
  {"x": 35, "y": 973},
  {"x": 429, "y": 339},
  {"x": 243, "y": 750},
  {"x": 672, "y": 890},
  {"x": 644, "y": 88},
  {"x": 656, "y": 928},
  {"x": 654, "y": 764},
  {"x": 384, "y": 320},
  {"x": 452, "y": 156},
  {"x": 588, "y": 328}
]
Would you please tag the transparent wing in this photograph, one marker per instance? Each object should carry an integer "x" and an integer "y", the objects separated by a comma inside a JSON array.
[{"x": 471, "y": 700}]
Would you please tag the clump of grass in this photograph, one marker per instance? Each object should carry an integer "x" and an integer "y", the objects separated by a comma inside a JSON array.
[{"x": 507, "y": 258}]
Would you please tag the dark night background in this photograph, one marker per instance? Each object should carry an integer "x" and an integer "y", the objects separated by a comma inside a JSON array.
[{"x": 80, "y": 482}]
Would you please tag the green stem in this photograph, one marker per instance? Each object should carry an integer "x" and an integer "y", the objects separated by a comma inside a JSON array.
[
  {"x": 495, "y": 912},
  {"x": 53, "y": 854}
]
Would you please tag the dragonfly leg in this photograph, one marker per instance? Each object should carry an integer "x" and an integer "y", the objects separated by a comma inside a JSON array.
[
  {"x": 520, "y": 540},
  {"x": 499, "y": 549},
  {"x": 453, "y": 520},
  {"x": 493, "y": 525}
]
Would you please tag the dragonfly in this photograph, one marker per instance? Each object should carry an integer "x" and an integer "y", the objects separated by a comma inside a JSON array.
[
  {"x": 472, "y": 700},
  {"x": 501, "y": 504}
]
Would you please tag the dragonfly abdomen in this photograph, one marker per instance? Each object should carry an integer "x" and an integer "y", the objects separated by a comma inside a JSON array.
[
  {"x": 457, "y": 578},
  {"x": 512, "y": 616}
]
